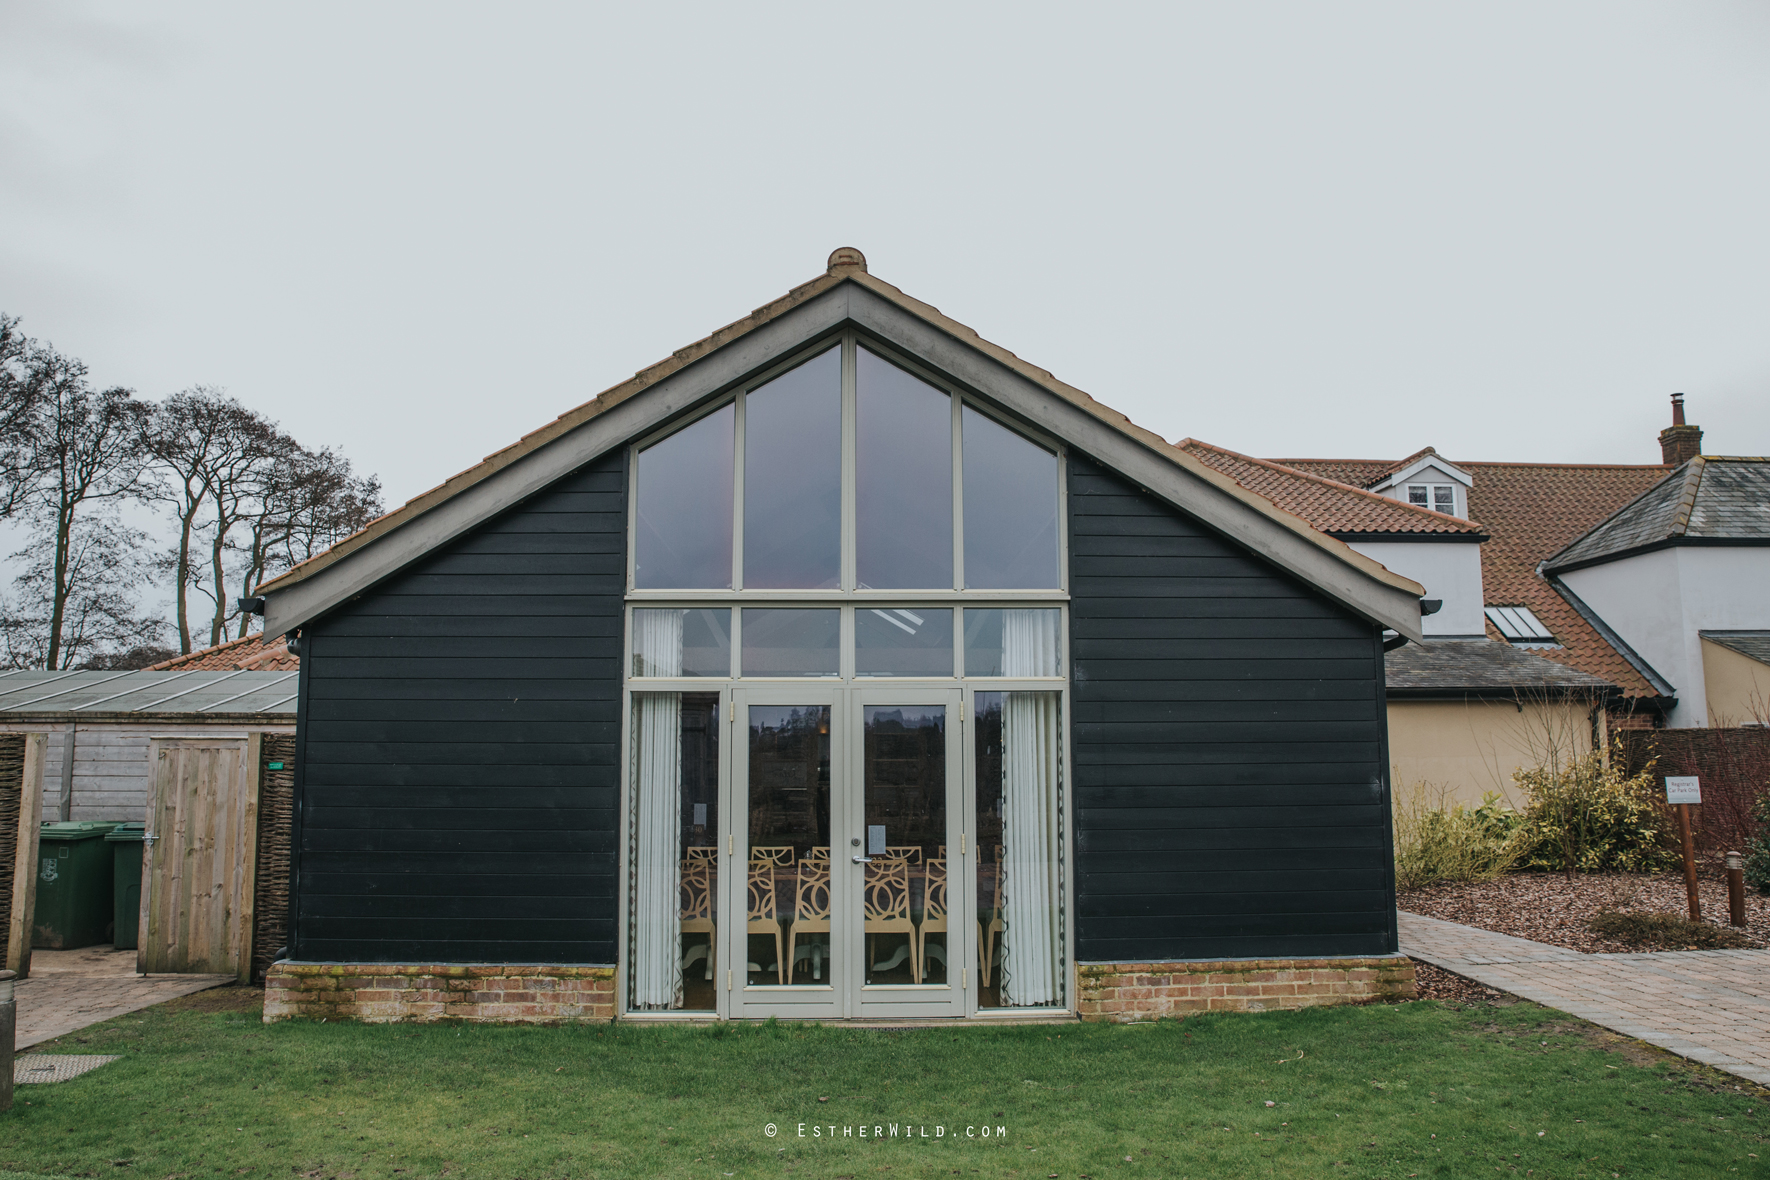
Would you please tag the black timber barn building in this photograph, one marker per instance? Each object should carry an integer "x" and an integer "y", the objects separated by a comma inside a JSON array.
[{"x": 842, "y": 665}]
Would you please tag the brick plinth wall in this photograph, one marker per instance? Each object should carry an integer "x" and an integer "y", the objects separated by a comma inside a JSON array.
[
  {"x": 475, "y": 992},
  {"x": 1121, "y": 992}
]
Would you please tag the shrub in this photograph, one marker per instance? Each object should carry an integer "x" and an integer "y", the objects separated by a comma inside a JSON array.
[
  {"x": 1665, "y": 930},
  {"x": 1584, "y": 815},
  {"x": 1757, "y": 851},
  {"x": 1435, "y": 844}
]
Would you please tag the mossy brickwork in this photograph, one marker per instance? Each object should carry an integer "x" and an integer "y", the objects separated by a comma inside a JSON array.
[
  {"x": 471, "y": 992},
  {"x": 1121, "y": 992}
]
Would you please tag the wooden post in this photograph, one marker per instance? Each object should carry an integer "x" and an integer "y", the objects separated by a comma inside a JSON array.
[
  {"x": 1689, "y": 862},
  {"x": 1736, "y": 888},
  {"x": 8, "y": 1035},
  {"x": 24, "y": 872}
]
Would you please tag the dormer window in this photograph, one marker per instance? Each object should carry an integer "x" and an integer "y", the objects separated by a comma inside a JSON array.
[{"x": 1439, "y": 497}]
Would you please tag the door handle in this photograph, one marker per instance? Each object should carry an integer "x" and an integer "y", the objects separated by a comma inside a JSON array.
[{"x": 863, "y": 860}]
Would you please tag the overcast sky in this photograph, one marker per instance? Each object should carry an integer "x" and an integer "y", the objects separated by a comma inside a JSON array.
[{"x": 418, "y": 231}]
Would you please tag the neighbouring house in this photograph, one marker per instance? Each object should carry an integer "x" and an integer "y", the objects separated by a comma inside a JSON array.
[
  {"x": 1465, "y": 711},
  {"x": 841, "y": 665},
  {"x": 1679, "y": 574},
  {"x": 1639, "y": 581},
  {"x": 250, "y": 653},
  {"x": 102, "y": 727}
]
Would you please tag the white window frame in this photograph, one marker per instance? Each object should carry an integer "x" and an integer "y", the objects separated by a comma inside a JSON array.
[
  {"x": 1431, "y": 490},
  {"x": 850, "y": 598},
  {"x": 847, "y": 589}
]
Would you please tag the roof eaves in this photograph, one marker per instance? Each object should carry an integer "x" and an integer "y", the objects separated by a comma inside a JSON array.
[
  {"x": 1455, "y": 523},
  {"x": 565, "y": 423},
  {"x": 837, "y": 274}
]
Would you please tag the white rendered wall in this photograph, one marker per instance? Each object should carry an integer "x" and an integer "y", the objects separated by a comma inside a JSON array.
[
  {"x": 1429, "y": 475},
  {"x": 1450, "y": 570},
  {"x": 1657, "y": 602}
]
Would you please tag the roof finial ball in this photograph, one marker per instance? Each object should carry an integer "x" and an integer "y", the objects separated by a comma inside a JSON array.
[{"x": 847, "y": 256}]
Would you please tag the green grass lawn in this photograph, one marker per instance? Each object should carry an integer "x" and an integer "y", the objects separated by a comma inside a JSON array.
[{"x": 203, "y": 1089}]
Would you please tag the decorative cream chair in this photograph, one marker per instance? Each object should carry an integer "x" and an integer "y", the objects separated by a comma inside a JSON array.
[
  {"x": 910, "y": 853},
  {"x": 811, "y": 910},
  {"x": 698, "y": 877},
  {"x": 779, "y": 854},
  {"x": 986, "y": 945},
  {"x": 886, "y": 908},
  {"x": 707, "y": 852},
  {"x": 933, "y": 915},
  {"x": 764, "y": 910}
]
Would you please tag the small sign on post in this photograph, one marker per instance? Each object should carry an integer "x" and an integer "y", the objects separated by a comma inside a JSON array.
[{"x": 1681, "y": 791}]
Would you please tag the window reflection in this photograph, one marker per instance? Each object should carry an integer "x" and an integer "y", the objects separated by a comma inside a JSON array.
[
  {"x": 793, "y": 478},
  {"x": 682, "y": 534},
  {"x": 903, "y": 479},
  {"x": 903, "y": 641},
  {"x": 905, "y": 894},
  {"x": 1023, "y": 641},
  {"x": 791, "y": 642},
  {"x": 1019, "y": 837},
  {"x": 675, "y": 642},
  {"x": 1010, "y": 508}
]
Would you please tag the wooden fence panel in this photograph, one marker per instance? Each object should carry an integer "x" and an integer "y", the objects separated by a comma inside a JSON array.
[{"x": 195, "y": 907}]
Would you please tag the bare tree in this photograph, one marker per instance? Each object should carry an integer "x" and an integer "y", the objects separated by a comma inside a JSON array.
[
  {"x": 76, "y": 601},
  {"x": 305, "y": 501},
  {"x": 206, "y": 449},
  {"x": 83, "y": 453}
]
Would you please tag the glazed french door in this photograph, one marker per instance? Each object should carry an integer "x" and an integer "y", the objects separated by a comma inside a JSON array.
[{"x": 844, "y": 835}]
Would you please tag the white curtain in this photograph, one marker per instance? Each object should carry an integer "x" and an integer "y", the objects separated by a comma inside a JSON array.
[
  {"x": 1029, "y": 814},
  {"x": 657, "y": 816}
]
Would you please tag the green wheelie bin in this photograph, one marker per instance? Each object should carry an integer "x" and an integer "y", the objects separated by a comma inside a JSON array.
[
  {"x": 126, "y": 847},
  {"x": 74, "y": 873}
]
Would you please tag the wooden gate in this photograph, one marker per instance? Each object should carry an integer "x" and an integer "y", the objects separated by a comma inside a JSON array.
[{"x": 197, "y": 874}]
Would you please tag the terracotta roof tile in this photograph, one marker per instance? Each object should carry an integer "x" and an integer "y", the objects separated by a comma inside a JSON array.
[
  {"x": 1333, "y": 507},
  {"x": 254, "y": 653},
  {"x": 1532, "y": 511}
]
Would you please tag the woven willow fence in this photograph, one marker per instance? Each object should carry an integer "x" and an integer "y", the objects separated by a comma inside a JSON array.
[
  {"x": 12, "y": 799},
  {"x": 276, "y": 818}
]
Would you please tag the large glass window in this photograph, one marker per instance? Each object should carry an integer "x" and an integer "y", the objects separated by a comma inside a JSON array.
[
  {"x": 788, "y": 879},
  {"x": 903, "y": 642},
  {"x": 847, "y": 473},
  {"x": 1010, "y": 508},
  {"x": 793, "y": 479},
  {"x": 682, "y": 517},
  {"x": 673, "y": 861},
  {"x": 903, "y": 480},
  {"x": 1025, "y": 641},
  {"x": 905, "y": 901},
  {"x": 791, "y": 642},
  {"x": 676, "y": 642},
  {"x": 1020, "y": 940}
]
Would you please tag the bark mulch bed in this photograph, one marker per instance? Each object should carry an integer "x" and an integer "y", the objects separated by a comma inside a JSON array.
[
  {"x": 1547, "y": 907},
  {"x": 1435, "y": 983}
]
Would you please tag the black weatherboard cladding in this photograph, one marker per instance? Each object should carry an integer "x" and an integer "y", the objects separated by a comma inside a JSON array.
[
  {"x": 1229, "y": 746},
  {"x": 460, "y": 738}
]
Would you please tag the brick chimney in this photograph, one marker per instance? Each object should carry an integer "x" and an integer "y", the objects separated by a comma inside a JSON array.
[{"x": 1679, "y": 443}]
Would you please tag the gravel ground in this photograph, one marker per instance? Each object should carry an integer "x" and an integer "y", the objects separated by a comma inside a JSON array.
[
  {"x": 1547, "y": 907},
  {"x": 1435, "y": 983}
]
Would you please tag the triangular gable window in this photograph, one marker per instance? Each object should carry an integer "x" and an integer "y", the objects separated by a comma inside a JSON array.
[{"x": 846, "y": 471}]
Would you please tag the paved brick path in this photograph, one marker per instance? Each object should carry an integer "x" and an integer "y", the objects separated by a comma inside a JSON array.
[
  {"x": 1709, "y": 1006},
  {"x": 68, "y": 990}
]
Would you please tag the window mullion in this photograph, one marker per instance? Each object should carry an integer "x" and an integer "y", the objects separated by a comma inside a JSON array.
[
  {"x": 847, "y": 575},
  {"x": 958, "y": 494}
]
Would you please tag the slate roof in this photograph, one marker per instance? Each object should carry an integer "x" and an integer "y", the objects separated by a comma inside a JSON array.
[
  {"x": 1334, "y": 507},
  {"x": 193, "y": 692},
  {"x": 1751, "y": 644},
  {"x": 1531, "y": 511},
  {"x": 1707, "y": 500},
  {"x": 260, "y": 653},
  {"x": 1440, "y": 666}
]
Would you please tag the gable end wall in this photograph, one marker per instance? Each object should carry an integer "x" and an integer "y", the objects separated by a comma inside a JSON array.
[
  {"x": 459, "y": 752},
  {"x": 1229, "y": 747}
]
